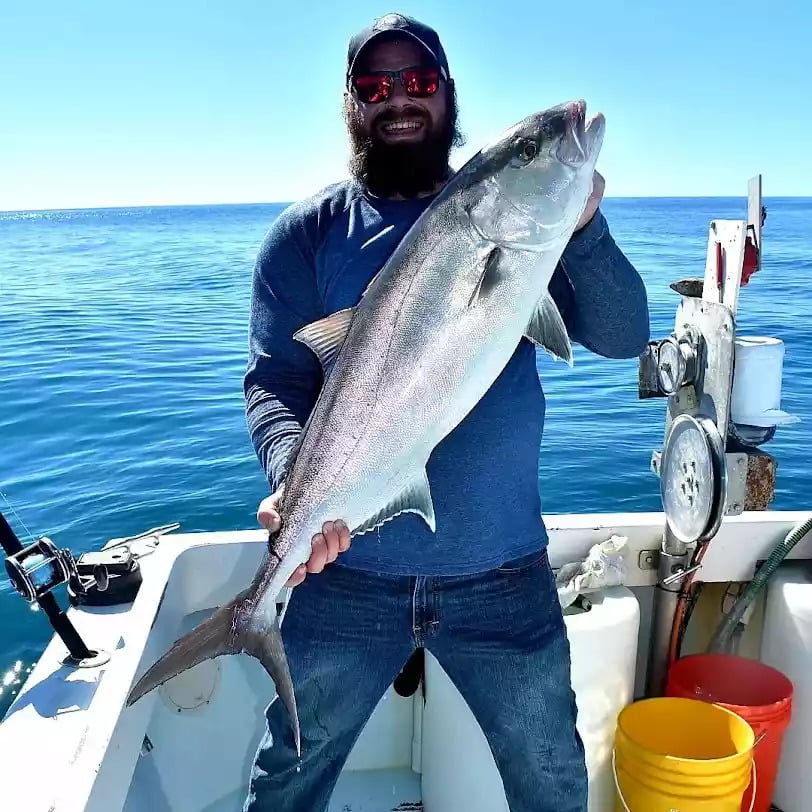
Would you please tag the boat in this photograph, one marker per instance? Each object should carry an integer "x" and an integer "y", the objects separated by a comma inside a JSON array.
[{"x": 69, "y": 743}]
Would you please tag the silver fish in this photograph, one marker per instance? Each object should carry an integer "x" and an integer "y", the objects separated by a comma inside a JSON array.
[{"x": 403, "y": 368}]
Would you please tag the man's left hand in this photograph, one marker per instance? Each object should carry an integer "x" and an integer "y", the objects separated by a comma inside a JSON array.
[{"x": 598, "y": 185}]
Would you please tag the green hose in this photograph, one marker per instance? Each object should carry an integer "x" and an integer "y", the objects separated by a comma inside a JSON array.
[{"x": 724, "y": 632}]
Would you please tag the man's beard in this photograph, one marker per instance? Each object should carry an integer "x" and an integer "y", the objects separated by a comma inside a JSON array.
[{"x": 407, "y": 170}]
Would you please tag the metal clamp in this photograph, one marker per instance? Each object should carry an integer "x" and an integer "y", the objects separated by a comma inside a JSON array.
[{"x": 679, "y": 574}]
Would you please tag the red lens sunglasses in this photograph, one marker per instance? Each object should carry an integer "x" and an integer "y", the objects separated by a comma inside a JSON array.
[{"x": 419, "y": 83}]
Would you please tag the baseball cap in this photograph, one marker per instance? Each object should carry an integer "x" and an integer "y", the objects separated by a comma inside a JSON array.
[{"x": 421, "y": 33}]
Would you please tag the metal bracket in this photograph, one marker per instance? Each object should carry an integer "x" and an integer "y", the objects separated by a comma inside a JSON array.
[
  {"x": 648, "y": 383},
  {"x": 672, "y": 568},
  {"x": 736, "y": 496},
  {"x": 714, "y": 373},
  {"x": 648, "y": 559},
  {"x": 680, "y": 574}
]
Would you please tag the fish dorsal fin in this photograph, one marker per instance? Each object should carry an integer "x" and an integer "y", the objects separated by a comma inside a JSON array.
[
  {"x": 547, "y": 330},
  {"x": 326, "y": 336},
  {"x": 489, "y": 276},
  {"x": 414, "y": 498}
]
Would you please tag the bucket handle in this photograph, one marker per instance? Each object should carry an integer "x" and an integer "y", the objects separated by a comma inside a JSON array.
[{"x": 626, "y": 806}]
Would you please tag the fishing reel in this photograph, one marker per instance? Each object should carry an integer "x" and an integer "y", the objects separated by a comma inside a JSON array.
[
  {"x": 34, "y": 572},
  {"x": 95, "y": 579},
  {"x": 39, "y": 568}
]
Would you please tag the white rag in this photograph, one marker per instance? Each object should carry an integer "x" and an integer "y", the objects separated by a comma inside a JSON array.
[{"x": 604, "y": 566}]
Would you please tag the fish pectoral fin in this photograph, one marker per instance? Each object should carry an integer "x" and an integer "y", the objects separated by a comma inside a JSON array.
[
  {"x": 547, "y": 330},
  {"x": 489, "y": 276},
  {"x": 226, "y": 632},
  {"x": 326, "y": 336},
  {"x": 414, "y": 498}
]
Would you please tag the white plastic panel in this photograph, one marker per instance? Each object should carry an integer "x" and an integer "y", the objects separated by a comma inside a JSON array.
[{"x": 787, "y": 645}]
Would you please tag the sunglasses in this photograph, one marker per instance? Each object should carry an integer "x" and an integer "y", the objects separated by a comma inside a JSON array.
[{"x": 419, "y": 83}]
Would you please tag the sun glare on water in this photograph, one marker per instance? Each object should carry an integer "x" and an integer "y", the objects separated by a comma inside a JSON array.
[{"x": 12, "y": 680}]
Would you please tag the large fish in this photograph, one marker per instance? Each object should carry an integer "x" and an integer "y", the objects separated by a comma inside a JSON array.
[{"x": 431, "y": 333}]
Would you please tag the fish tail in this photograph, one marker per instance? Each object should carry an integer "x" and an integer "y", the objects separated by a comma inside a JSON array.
[
  {"x": 268, "y": 648},
  {"x": 227, "y": 631}
]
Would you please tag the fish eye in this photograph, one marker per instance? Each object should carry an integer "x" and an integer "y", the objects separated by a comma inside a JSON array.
[{"x": 527, "y": 151}]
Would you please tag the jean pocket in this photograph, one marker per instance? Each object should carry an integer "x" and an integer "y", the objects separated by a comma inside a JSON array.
[{"x": 524, "y": 563}]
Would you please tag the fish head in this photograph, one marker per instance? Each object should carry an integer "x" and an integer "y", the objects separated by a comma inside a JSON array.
[{"x": 532, "y": 183}]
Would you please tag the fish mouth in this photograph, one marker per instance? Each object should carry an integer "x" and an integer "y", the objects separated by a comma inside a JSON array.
[{"x": 581, "y": 137}]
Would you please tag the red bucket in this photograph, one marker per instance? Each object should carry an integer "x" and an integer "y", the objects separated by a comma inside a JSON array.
[{"x": 759, "y": 694}]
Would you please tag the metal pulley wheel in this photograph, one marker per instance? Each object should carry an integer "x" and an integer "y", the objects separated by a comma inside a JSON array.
[
  {"x": 693, "y": 478},
  {"x": 676, "y": 361}
]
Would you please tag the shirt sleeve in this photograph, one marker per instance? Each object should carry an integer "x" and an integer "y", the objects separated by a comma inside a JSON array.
[
  {"x": 283, "y": 377},
  {"x": 601, "y": 296}
]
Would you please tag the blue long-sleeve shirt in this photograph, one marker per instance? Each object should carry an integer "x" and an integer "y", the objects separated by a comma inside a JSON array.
[{"x": 317, "y": 258}]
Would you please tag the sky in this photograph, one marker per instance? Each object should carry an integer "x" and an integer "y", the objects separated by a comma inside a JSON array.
[{"x": 175, "y": 102}]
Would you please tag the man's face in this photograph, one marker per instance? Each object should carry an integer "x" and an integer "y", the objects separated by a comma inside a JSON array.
[
  {"x": 400, "y": 119},
  {"x": 400, "y": 146}
]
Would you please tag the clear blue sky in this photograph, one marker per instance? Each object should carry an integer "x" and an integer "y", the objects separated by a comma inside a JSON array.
[{"x": 106, "y": 103}]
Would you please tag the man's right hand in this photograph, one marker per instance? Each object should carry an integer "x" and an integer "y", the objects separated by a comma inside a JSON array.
[{"x": 334, "y": 538}]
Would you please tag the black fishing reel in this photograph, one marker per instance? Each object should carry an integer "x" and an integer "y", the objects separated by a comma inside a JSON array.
[
  {"x": 36, "y": 570},
  {"x": 95, "y": 579}
]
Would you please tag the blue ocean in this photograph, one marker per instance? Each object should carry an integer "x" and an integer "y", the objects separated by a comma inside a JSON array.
[{"x": 123, "y": 344}]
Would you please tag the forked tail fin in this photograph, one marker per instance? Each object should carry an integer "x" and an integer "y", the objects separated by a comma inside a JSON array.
[{"x": 230, "y": 630}]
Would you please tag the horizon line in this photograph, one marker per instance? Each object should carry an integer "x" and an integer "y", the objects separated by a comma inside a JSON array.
[{"x": 122, "y": 206}]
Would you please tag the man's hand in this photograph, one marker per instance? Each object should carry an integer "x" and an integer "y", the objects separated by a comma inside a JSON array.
[
  {"x": 598, "y": 185},
  {"x": 333, "y": 539}
]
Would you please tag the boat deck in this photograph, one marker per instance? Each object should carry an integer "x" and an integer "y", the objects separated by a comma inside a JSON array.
[{"x": 102, "y": 756}]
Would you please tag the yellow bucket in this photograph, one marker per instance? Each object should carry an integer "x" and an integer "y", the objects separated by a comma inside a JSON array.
[{"x": 681, "y": 755}]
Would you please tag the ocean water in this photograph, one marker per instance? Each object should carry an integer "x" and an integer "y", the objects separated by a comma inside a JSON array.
[{"x": 123, "y": 343}]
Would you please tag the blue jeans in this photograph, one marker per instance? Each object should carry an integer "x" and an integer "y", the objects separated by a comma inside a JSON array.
[{"x": 500, "y": 637}]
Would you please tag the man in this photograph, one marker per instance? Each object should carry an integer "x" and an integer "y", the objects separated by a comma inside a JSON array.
[{"x": 479, "y": 593}]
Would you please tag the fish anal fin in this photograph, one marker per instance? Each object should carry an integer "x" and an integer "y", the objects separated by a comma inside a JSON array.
[
  {"x": 326, "y": 336},
  {"x": 547, "y": 330},
  {"x": 414, "y": 498},
  {"x": 229, "y": 630}
]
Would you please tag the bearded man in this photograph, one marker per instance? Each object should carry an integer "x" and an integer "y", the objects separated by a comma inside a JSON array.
[{"x": 479, "y": 594}]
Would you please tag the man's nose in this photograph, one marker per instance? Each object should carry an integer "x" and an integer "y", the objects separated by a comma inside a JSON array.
[{"x": 398, "y": 97}]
